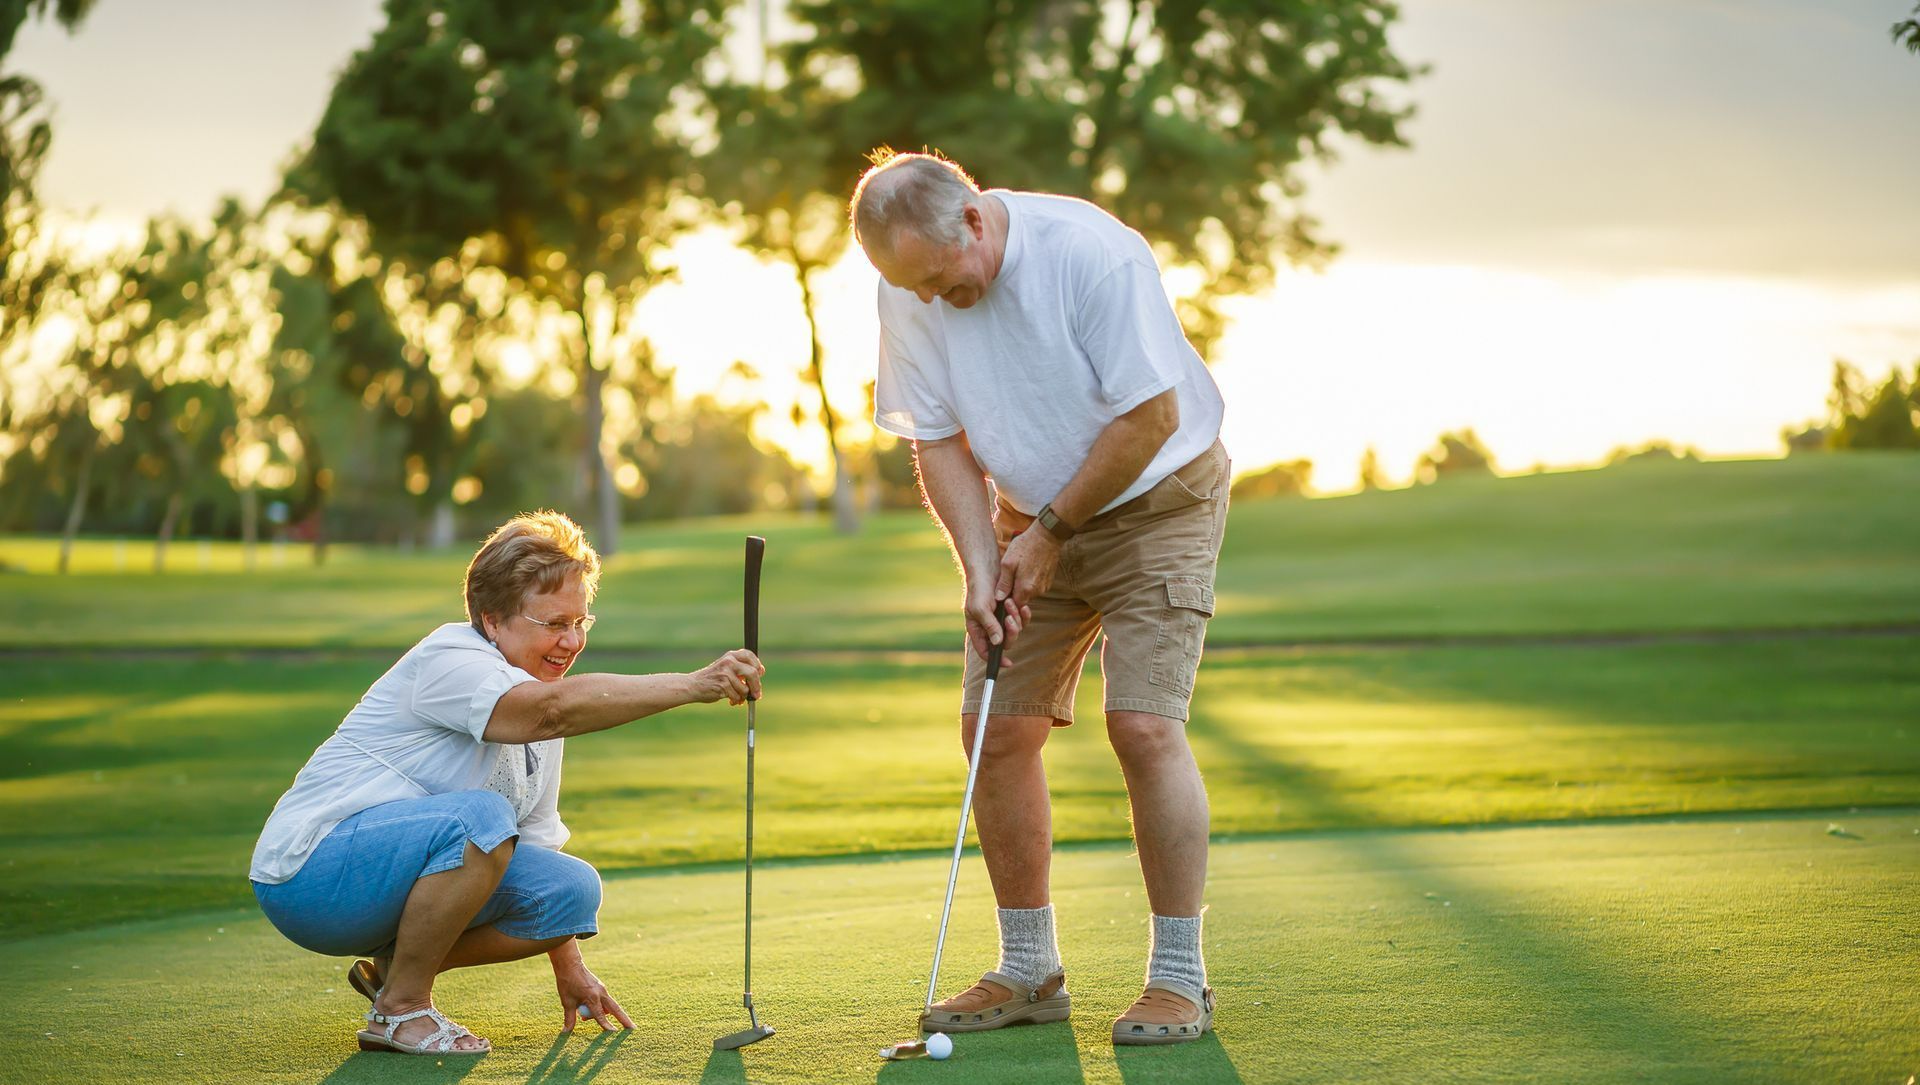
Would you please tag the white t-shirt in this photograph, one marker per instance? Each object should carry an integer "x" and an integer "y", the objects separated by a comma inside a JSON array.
[
  {"x": 417, "y": 732},
  {"x": 1075, "y": 331}
]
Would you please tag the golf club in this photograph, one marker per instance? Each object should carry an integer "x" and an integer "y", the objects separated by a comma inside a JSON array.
[
  {"x": 907, "y": 1049},
  {"x": 755, "y": 1031}
]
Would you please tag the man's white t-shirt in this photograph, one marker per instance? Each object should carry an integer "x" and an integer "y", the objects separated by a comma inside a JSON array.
[
  {"x": 417, "y": 732},
  {"x": 1075, "y": 331}
]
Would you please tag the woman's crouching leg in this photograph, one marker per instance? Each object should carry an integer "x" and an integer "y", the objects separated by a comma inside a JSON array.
[{"x": 544, "y": 898}]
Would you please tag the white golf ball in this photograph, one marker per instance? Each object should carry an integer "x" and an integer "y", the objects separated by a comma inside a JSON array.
[{"x": 939, "y": 1045}]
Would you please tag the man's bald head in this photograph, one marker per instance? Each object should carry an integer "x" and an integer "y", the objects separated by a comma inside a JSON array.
[{"x": 923, "y": 193}]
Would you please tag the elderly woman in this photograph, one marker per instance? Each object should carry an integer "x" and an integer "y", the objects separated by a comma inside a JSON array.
[{"x": 425, "y": 833}]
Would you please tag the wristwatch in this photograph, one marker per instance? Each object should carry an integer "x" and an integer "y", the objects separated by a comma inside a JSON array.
[{"x": 1056, "y": 527}]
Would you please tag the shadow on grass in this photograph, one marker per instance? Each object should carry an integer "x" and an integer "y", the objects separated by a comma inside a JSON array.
[
  {"x": 1572, "y": 996},
  {"x": 1046, "y": 1055},
  {"x": 1202, "y": 1060},
  {"x": 385, "y": 1066},
  {"x": 725, "y": 1068},
  {"x": 557, "y": 1067}
]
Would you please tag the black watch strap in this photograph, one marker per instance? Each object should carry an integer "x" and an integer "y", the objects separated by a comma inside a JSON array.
[{"x": 1055, "y": 526}]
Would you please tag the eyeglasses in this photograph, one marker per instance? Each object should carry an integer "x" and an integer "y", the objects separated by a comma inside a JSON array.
[{"x": 578, "y": 625}]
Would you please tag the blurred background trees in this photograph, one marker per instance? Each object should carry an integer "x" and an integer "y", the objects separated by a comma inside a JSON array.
[
  {"x": 433, "y": 323},
  {"x": 1861, "y": 415},
  {"x": 1457, "y": 454}
]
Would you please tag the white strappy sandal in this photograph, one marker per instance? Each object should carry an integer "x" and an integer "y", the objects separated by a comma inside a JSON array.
[{"x": 439, "y": 1042}]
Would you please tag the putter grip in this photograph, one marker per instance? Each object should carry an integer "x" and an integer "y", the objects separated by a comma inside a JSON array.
[
  {"x": 756, "y": 549},
  {"x": 993, "y": 653}
]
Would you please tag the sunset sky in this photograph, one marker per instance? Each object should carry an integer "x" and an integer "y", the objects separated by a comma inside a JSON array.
[{"x": 1619, "y": 220}]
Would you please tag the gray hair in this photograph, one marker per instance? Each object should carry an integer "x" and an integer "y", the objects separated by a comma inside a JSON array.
[
  {"x": 534, "y": 553},
  {"x": 925, "y": 193}
]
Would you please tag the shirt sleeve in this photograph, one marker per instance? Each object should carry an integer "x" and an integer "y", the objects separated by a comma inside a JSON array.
[
  {"x": 1131, "y": 336},
  {"x": 906, "y": 398},
  {"x": 457, "y": 689}
]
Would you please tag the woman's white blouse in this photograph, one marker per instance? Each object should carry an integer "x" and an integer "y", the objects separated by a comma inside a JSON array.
[{"x": 417, "y": 732}]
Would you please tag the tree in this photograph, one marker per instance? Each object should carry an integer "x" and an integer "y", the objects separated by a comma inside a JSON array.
[
  {"x": 1293, "y": 478},
  {"x": 29, "y": 263},
  {"x": 1884, "y": 417},
  {"x": 24, "y": 131},
  {"x": 112, "y": 307},
  {"x": 1908, "y": 31},
  {"x": 336, "y": 359},
  {"x": 1457, "y": 454},
  {"x": 1371, "y": 477},
  {"x": 178, "y": 432},
  {"x": 785, "y": 181},
  {"x": 1659, "y": 449},
  {"x": 551, "y": 136},
  {"x": 1189, "y": 122}
]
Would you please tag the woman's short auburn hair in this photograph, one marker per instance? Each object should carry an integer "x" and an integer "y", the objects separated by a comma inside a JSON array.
[{"x": 531, "y": 554}]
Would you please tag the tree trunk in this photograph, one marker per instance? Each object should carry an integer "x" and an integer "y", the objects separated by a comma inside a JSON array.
[
  {"x": 320, "y": 536},
  {"x": 167, "y": 524},
  {"x": 601, "y": 492},
  {"x": 846, "y": 507},
  {"x": 440, "y": 530},
  {"x": 249, "y": 524},
  {"x": 77, "y": 510}
]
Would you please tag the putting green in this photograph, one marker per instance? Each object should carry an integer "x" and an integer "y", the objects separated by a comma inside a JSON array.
[
  {"x": 1733, "y": 948},
  {"x": 858, "y": 756}
]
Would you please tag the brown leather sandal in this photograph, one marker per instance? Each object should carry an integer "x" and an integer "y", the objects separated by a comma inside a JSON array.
[
  {"x": 364, "y": 977},
  {"x": 997, "y": 1001},
  {"x": 1165, "y": 1015}
]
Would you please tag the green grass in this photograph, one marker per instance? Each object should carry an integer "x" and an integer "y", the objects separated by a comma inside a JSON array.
[
  {"x": 1724, "y": 950},
  {"x": 134, "y": 788},
  {"x": 1810, "y": 541},
  {"x": 1436, "y": 860}
]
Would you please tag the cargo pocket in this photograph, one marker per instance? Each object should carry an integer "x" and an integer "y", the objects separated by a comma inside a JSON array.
[{"x": 1183, "y": 632}]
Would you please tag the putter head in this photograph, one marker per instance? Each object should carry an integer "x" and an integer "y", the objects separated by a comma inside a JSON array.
[
  {"x": 742, "y": 1038},
  {"x": 905, "y": 1049}
]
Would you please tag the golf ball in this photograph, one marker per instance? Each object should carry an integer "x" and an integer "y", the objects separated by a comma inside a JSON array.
[{"x": 939, "y": 1045}]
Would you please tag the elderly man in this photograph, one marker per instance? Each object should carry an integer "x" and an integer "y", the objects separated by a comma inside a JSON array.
[{"x": 1029, "y": 337}]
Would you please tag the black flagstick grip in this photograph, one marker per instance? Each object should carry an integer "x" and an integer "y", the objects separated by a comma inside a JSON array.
[{"x": 756, "y": 549}]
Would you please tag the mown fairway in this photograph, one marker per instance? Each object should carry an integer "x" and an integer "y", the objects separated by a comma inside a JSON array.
[
  {"x": 1404, "y": 688},
  {"x": 1646, "y": 547},
  {"x": 112, "y": 765}
]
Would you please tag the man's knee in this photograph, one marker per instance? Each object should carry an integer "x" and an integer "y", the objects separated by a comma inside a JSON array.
[
  {"x": 1146, "y": 736},
  {"x": 1008, "y": 738}
]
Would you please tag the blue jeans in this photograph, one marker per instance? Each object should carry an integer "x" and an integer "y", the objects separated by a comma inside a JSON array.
[{"x": 347, "y": 898}]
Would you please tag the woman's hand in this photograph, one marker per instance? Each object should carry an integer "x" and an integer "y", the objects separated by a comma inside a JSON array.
[
  {"x": 735, "y": 676},
  {"x": 583, "y": 995}
]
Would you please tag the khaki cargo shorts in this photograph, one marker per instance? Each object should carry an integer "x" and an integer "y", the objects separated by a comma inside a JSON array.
[{"x": 1142, "y": 575}]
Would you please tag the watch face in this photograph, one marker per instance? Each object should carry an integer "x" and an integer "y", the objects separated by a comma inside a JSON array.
[{"x": 1054, "y": 525}]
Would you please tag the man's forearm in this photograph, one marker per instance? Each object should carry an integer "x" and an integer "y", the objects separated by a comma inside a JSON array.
[
  {"x": 1118, "y": 456},
  {"x": 956, "y": 491}
]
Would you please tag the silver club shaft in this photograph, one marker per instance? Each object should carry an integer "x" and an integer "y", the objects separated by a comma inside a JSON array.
[{"x": 960, "y": 836}]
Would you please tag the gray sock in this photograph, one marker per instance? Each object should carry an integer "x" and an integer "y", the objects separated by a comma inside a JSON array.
[
  {"x": 1028, "y": 951},
  {"x": 1176, "y": 956}
]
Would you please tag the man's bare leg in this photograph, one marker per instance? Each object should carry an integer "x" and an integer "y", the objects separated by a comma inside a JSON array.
[
  {"x": 1011, "y": 808},
  {"x": 1169, "y": 801},
  {"x": 1170, "y": 823}
]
